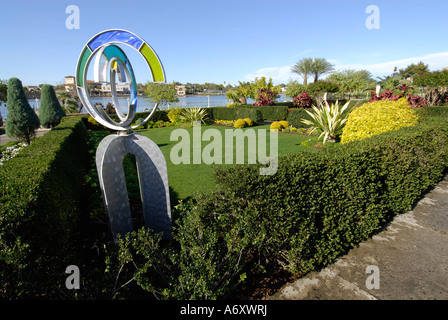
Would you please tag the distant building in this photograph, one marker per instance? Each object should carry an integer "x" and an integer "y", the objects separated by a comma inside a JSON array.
[
  {"x": 70, "y": 83},
  {"x": 32, "y": 88},
  {"x": 120, "y": 88},
  {"x": 214, "y": 91},
  {"x": 181, "y": 90}
]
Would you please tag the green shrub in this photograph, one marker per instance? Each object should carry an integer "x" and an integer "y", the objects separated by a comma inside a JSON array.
[
  {"x": 50, "y": 111},
  {"x": 328, "y": 119},
  {"x": 277, "y": 112},
  {"x": 226, "y": 113},
  {"x": 437, "y": 111},
  {"x": 191, "y": 115},
  {"x": 92, "y": 124},
  {"x": 40, "y": 195},
  {"x": 157, "y": 115},
  {"x": 174, "y": 114},
  {"x": 322, "y": 86},
  {"x": 22, "y": 121},
  {"x": 223, "y": 113},
  {"x": 138, "y": 121},
  {"x": 251, "y": 113},
  {"x": 295, "y": 117}
]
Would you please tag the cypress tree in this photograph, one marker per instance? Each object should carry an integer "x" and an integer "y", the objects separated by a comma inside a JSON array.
[
  {"x": 22, "y": 121},
  {"x": 50, "y": 111}
]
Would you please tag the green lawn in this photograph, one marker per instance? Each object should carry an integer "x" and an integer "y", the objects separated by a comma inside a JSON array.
[{"x": 187, "y": 179}]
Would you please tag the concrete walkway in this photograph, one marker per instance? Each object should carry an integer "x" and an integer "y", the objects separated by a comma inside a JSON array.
[
  {"x": 4, "y": 138},
  {"x": 406, "y": 261}
]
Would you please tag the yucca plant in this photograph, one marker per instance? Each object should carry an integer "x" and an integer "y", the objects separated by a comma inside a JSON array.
[
  {"x": 191, "y": 115},
  {"x": 328, "y": 119}
]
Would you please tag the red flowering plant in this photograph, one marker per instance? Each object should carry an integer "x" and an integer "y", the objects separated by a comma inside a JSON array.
[
  {"x": 400, "y": 92},
  {"x": 304, "y": 100},
  {"x": 265, "y": 97}
]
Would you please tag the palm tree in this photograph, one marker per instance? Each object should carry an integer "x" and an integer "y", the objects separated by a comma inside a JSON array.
[
  {"x": 320, "y": 66},
  {"x": 303, "y": 68},
  {"x": 69, "y": 102},
  {"x": 244, "y": 91}
]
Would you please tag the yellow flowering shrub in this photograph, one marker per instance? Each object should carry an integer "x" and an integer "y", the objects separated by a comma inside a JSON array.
[
  {"x": 224, "y": 122},
  {"x": 378, "y": 117},
  {"x": 240, "y": 123},
  {"x": 284, "y": 123},
  {"x": 249, "y": 122},
  {"x": 276, "y": 126}
]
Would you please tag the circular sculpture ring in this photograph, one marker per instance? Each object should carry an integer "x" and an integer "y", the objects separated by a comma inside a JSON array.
[{"x": 111, "y": 57}]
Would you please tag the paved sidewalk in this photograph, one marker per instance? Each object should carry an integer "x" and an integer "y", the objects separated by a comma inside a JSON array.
[
  {"x": 4, "y": 138},
  {"x": 411, "y": 256}
]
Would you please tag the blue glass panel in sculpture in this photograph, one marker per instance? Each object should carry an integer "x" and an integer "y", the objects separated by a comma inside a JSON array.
[{"x": 115, "y": 36}]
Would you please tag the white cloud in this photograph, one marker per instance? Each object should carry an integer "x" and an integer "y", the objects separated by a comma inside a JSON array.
[
  {"x": 278, "y": 74},
  {"x": 435, "y": 61}
]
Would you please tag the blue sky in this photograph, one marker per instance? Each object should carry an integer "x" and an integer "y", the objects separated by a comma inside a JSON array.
[{"x": 225, "y": 41}]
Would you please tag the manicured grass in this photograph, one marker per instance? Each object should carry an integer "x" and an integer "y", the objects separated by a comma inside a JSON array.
[{"x": 187, "y": 179}]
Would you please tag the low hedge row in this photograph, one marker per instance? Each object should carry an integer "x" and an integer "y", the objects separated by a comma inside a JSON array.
[
  {"x": 295, "y": 117},
  {"x": 40, "y": 196},
  {"x": 277, "y": 112},
  {"x": 158, "y": 115},
  {"x": 316, "y": 207},
  {"x": 226, "y": 113},
  {"x": 281, "y": 111}
]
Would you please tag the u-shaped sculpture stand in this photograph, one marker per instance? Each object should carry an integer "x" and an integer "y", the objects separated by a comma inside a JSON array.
[{"x": 152, "y": 176}]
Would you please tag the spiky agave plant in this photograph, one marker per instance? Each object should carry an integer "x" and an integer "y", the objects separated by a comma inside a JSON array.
[
  {"x": 329, "y": 119},
  {"x": 193, "y": 114}
]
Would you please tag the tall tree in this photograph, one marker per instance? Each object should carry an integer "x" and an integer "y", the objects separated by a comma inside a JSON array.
[
  {"x": 353, "y": 81},
  {"x": 22, "y": 121},
  {"x": 3, "y": 90},
  {"x": 161, "y": 92},
  {"x": 50, "y": 111},
  {"x": 70, "y": 102},
  {"x": 413, "y": 69},
  {"x": 303, "y": 68},
  {"x": 310, "y": 66}
]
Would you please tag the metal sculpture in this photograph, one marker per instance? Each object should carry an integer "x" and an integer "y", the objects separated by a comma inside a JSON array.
[{"x": 111, "y": 60}]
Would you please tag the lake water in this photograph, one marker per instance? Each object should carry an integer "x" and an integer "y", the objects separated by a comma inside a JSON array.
[{"x": 142, "y": 103}]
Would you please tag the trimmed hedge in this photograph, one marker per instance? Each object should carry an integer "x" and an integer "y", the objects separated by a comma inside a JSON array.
[
  {"x": 277, "y": 112},
  {"x": 157, "y": 116},
  {"x": 40, "y": 196},
  {"x": 253, "y": 114},
  {"x": 295, "y": 117},
  {"x": 228, "y": 113}
]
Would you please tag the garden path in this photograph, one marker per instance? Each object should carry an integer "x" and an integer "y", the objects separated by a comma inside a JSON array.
[{"x": 4, "y": 138}]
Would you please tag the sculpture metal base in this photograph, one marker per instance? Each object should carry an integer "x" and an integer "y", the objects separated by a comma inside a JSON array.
[{"x": 153, "y": 179}]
